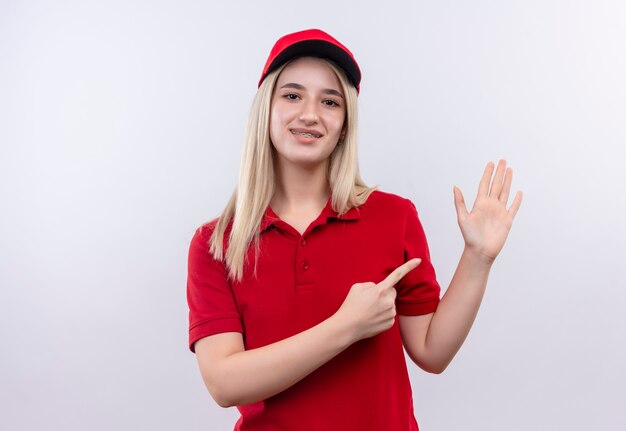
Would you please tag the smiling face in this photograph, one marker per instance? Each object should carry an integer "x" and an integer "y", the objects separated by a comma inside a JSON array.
[{"x": 307, "y": 113}]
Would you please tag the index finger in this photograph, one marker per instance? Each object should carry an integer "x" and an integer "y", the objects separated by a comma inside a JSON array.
[{"x": 399, "y": 273}]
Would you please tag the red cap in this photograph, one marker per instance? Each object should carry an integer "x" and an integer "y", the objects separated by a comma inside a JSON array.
[{"x": 315, "y": 43}]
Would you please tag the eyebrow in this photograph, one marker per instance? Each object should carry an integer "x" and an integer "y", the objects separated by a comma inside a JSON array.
[{"x": 302, "y": 88}]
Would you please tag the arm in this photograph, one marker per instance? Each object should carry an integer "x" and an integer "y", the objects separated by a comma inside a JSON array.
[
  {"x": 433, "y": 340},
  {"x": 235, "y": 376}
]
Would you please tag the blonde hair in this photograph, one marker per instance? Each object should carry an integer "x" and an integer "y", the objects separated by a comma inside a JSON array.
[{"x": 255, "y": 189}]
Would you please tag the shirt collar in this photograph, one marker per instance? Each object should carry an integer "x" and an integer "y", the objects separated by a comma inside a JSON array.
[{"x": 270, "y": 218}]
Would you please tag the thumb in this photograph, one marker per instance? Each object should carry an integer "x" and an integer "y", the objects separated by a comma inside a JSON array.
[{"x": 459, "y": 203}]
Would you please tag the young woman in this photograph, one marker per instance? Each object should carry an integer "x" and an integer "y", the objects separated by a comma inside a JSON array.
[{"x": 303, "y": 293}]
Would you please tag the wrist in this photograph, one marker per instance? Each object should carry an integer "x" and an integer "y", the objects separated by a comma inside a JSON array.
[
  {"x": 478, "y": 258},
  {"x": 342, "y": 328}
]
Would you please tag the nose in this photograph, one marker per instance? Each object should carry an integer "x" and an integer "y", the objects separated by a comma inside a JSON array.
[{"x": 309, "y": 112}]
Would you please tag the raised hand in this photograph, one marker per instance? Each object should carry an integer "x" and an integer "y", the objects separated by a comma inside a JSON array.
[{"x": 487, "y": 226}]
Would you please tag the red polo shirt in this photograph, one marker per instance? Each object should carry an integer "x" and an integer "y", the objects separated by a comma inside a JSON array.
[{"x": 303, "y": 280}]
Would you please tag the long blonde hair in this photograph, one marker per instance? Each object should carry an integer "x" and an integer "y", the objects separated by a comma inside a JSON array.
[{"x": 254, "y": 192}]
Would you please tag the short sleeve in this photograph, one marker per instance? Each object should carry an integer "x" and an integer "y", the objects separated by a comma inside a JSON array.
[
  {"x": 212, "y": 305},
  {"x": 418, "y": 291}
]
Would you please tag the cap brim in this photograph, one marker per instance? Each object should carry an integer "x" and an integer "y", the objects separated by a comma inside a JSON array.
[{"x": 322, "y": 49}]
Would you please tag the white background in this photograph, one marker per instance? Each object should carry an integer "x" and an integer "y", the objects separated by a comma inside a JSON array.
[{"x": 121, "y": 126}]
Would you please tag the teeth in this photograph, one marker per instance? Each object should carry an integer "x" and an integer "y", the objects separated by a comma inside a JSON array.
[{"x": 306, "y": 135}]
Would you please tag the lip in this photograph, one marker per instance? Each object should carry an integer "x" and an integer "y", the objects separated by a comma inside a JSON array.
[{"x": 311, "y": 131}]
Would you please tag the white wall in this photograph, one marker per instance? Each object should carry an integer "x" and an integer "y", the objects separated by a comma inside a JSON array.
[{"x": 121, "y": 124}]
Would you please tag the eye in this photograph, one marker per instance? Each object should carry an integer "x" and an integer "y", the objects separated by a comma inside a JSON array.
[
  {"x": 291, "y": 96},
  {"x": 330, "y": 102}
]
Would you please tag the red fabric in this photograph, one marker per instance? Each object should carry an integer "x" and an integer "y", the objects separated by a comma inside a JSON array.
[
  {"x": 312, "y": 42},
  {"x": 303, "y": 280}
]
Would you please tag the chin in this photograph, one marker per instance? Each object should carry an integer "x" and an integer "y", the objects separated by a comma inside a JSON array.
[{"x": 305, "y": 162}]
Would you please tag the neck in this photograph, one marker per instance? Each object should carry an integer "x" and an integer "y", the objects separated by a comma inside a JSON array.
[{"x": 300, "y": 189}]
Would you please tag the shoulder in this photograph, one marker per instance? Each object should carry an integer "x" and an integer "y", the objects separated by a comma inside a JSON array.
[
  {"x": 384, "y": 201},
  {"x": 389, "y": 209},
  {"x": 202, "y": 235},
  {"x": 205, "y": 230},
  {"x": 200, "y": 252}
]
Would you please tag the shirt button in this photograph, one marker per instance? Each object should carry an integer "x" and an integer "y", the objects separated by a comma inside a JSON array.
[
  {"x": 305, "y": 265},
  {"x": 302, "y": 242}
]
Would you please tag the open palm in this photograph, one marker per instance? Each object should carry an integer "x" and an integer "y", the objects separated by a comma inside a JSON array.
[{"x": 487, "y": 226}]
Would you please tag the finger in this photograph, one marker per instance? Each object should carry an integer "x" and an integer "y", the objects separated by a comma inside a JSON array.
[
  {"x": 517, "y": 201},
  {"x": 496, "y": 184},
  {"x": 399, "y": 273},
  {"x": 459, "y": 203},
  {"x": 506, "y": 189},
  {"x": 483, "y": 187}
]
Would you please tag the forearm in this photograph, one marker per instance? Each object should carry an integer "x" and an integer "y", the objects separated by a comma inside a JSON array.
[
  {"x": 457, "y": 310},
  {"x": 257, "y": 374}
]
